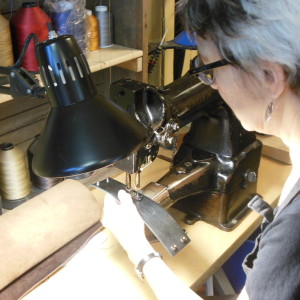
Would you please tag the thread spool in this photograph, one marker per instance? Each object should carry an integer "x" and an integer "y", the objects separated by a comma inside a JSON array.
[
  {"x": 6, "y": 53},
  {"x": 41, "y": 183},
  {"x": 68, "y": 17},
  {"x": 14, "y": 178},
  {"x": 28, "y": 19},
  {"x": 92, "y": 26},
  {"x": 105, "y": 26}
]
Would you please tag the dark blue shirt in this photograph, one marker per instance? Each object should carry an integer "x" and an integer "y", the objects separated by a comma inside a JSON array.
[{"x": 273, "y": 268}]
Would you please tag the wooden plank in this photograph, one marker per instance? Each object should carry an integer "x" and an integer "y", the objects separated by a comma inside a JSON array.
[
  {"x": 23, "y": 146},
  {"x": 169, "y": 21},
  {"x": 274, "y": 147},
  {"x": 6, "y": 6},
  {"x": 127, "y": 23},
  {"x": 22, "y": 134},
  {"x": 5, "y": 98},
  {"x": 134, "y": 65},
  {"x": 155, "y": 25},
  {"x": 144, "y": 41},
  {"x": 108, "y": 57},
  {"x": 16, "y": 106},
  {"x": 130, "y": 27},
  {"x": 23, "y": 119}
]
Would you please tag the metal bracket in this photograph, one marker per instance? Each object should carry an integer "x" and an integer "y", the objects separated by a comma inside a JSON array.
[{"x": 157, "y": 219}]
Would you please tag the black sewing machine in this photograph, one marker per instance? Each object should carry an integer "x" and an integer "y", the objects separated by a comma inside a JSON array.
[{"x": 213, "y": 173}]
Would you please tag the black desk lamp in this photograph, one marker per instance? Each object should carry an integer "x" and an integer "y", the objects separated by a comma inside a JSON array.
[{"x": 83, "y": 131}]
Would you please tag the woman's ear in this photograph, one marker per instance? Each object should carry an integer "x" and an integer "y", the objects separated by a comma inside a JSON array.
[{"x": 274, "y": 78}]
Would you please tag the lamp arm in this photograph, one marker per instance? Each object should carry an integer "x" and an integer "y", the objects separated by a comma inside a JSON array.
[{"x": 21, "y": 82}]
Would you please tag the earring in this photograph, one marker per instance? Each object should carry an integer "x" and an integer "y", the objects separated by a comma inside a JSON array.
[{"x": 269, "y": 111}]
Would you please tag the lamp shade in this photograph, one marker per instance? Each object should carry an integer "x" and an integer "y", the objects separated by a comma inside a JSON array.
[{"x": 84, "y": 131}]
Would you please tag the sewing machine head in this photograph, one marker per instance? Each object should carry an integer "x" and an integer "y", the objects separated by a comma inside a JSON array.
[{"x": 213, "y": 173}]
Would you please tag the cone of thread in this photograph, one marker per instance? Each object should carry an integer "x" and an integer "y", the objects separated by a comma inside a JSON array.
[
  {"x": 6, "y": 53},
  {"x": 29, "y": 18},
  {"x": 92, "y": 29},
  {"x": 14, "y": 176}
]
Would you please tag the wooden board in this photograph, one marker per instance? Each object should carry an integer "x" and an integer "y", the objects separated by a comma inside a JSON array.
[
  {"x": 94, "y": 272},
  {"x": 21, "y": 120},
  {"x": 108, "y": 57},
  {"x": 274, "y": 147},
  {"x": 6, "y": 6}
]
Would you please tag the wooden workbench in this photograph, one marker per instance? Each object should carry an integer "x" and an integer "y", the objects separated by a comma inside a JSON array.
[{"x": 102, "y": 270}]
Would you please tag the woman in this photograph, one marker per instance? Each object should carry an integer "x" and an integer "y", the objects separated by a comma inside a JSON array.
[{"x": 256, "y": 44}]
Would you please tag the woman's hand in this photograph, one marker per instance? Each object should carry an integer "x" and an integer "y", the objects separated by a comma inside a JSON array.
[{"x": 123, "y": 220}]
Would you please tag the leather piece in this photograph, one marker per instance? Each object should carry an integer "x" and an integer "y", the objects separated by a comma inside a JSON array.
[{"x": 26, "y": 282}]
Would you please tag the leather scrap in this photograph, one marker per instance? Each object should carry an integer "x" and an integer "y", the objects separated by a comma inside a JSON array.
[{"x": 36, "y": 275}]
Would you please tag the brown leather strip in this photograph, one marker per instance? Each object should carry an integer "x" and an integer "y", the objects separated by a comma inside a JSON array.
[{"x": 26, "y": 282}]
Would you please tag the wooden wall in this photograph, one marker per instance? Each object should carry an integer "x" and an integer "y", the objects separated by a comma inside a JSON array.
[
  {"x": 130, "y": 30},
  {"x": 7, "y": 6},
  {"x": 21, "y": 120}
]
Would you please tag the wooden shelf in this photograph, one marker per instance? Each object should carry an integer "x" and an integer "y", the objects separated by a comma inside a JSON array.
[
  {"x": 4, "y": 98},
  {"x": 115, "y": 55},
  {"x": 104, "y": 58}
]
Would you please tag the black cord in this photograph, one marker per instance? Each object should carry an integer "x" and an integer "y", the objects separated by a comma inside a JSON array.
[{"x": 24, "y": 49}]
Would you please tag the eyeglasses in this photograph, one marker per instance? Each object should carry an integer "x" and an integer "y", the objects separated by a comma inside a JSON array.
[{"x": 205, "y": 72}]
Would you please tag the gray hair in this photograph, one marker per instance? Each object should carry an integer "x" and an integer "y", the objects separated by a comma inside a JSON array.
[{"x": 249, "y": 31}]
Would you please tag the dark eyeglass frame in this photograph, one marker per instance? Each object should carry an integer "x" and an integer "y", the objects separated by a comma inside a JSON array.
[{"x": 208, "y": 67}]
